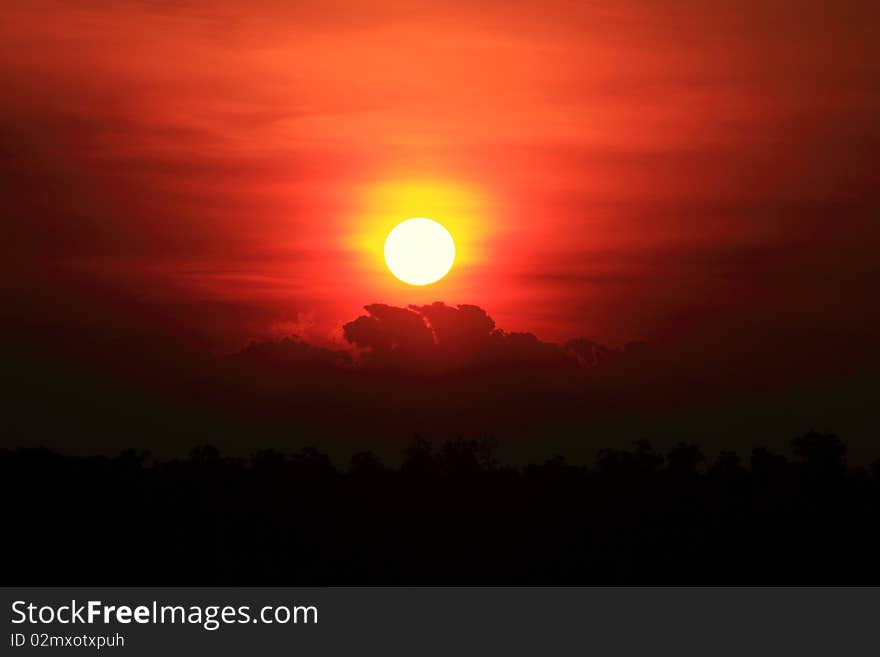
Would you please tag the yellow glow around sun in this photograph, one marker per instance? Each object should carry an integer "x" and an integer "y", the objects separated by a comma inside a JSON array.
[
  {"x": 459, "y": 210},
  {"x": 419, "y": 251}
]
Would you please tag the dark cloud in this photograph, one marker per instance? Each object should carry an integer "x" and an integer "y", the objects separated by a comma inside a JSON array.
[
  {"x": 387, "y": 329},
  {"x": 461, "y": 328},
  {"x": 439, "y": 336},
  {"x": 436, "y": 370}
]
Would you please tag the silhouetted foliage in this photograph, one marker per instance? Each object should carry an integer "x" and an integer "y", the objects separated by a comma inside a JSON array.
[
  {"x": 824, "y": 454},
  {"x": 450, "y": 514},
  {"x": 684, "y": 459}
]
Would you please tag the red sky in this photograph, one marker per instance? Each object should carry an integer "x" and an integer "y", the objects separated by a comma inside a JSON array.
[{"x": 620, "y": 170}]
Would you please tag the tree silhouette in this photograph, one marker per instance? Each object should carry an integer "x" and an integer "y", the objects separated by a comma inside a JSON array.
[
  {"x": 684, "y": 459},
  {"x": 824, "y": 454},
  {"x": 449, "y": 514}
]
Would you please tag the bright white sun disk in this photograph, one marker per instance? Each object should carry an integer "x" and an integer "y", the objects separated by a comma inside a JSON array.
[{"x": 419, "y": 251}]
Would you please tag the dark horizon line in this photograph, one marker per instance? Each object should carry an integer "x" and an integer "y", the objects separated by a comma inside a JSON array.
[{"x": 810, "y": 448}]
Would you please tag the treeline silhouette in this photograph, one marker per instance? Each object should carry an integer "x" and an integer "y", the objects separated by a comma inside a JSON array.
[{"x": 449, "y": 514}]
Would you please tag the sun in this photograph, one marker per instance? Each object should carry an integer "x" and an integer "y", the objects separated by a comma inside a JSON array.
[{"x": 419, "y": 251}]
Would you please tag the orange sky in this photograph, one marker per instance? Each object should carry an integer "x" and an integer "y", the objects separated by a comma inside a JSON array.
[{"x": 618, "y": 170}]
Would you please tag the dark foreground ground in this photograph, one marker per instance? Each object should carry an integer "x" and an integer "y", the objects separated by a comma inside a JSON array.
[{"x": 448, "y": 515}]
